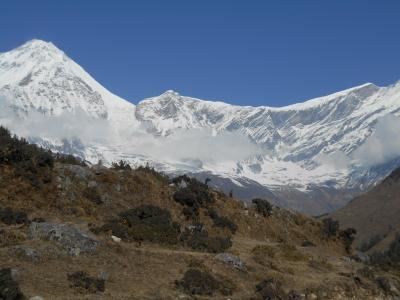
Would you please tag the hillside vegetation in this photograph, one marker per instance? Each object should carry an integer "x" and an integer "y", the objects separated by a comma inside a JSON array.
[{"x": 71, "y": 231}]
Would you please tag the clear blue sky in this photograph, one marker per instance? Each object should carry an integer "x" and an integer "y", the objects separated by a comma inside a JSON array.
[{"x": 243, "y": 52}]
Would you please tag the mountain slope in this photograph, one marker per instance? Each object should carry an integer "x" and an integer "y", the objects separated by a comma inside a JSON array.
[
  {"x": 293, "y": 152},
  {"x": 375, "y": 214}
]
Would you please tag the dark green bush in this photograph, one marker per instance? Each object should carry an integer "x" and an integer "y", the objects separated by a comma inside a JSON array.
[
  {"x": 192, "y": 194},
  {"x": 263, "y": 207},
  {"x": 201, "y": 241},
  {"x": 145, "y": 223},
  {"x": 69, "y": 159},
  {"x": 330, "y": 227},
  {"x": 10, "y": 217},
  {"x": 270, "y": 289},
  {"x": 221, "y": 221},
  {"x": 196, "y": 282},
  {"x": 150, "y": 170},
  {"x": 82, "y": 280},
  {"x": 29, "y": 161},
  {"x": 347, "y": 237},
  {"x": 121, "y": 165}
]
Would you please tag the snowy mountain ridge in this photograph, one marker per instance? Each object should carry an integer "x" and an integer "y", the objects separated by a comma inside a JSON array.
[{"x": 326, "y": 142}]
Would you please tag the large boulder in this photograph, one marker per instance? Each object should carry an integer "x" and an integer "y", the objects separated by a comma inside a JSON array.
[{"x": 70, "y": 238}]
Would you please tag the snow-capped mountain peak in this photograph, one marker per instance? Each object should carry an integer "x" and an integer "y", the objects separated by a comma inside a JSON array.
[{"x": 39, "y": 76}]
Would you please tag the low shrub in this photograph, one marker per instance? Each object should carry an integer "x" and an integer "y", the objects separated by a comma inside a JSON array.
[
  {"x": 82, "y": 280},
  {"x": 199, "y": 282},
  {"x": 192, "y": 194},
  {"x": 222, "y": 222},
  {"x": 347, "y": 237},
  {"x": 10, "y": 237},
  {"x": 201, "y": 241},
  {"x": 330, "y": 228},
  {"x": 10, "y": 217},
  {"x": 29, "y": 161},
  {"x": 270, "y": 289},
  {"x": 150, "y": 170},
  {"x": 145, "y": 223},
  {"x": 69, "y": 159},
  {"x": 263, "y": 207},
  {"x": 121, "y": 165},
  {"x": 188, "y": 199},
  {"x": 196, "y": 282}
]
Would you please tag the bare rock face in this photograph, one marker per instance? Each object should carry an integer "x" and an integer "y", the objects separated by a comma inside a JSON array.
[{"x": 70, "y": 238}]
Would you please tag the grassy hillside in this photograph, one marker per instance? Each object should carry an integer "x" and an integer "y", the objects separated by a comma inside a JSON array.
[{"x": 70, "y": 231}]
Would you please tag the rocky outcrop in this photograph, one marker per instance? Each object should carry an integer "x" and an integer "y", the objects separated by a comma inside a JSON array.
[{"x": 70, "y": 238}]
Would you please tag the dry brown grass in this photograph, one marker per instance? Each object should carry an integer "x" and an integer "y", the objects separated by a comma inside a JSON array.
[{"x": 270, "y": 246}]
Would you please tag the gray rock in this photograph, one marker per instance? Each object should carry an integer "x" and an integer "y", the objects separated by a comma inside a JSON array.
[
  {"x": 232, "y": 260},
  {"x": 70, "y": 238},
  {"x": 27, "y": 252}
]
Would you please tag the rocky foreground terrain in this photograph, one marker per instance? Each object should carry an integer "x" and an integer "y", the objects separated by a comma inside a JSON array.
[{"x": 71, "y": 231}]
